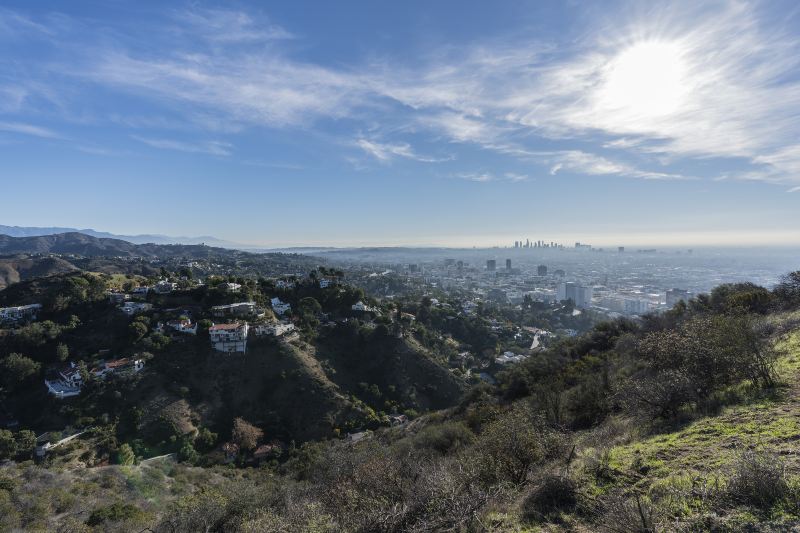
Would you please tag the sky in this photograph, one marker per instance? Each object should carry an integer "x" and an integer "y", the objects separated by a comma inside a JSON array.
[{"x": 455, "y": 123}]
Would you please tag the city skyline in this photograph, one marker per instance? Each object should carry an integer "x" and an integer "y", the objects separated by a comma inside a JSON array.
[{"x": 621, "y": 124}]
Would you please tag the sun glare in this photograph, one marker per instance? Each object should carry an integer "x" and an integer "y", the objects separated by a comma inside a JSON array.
[{"x": 646, "y": 79}]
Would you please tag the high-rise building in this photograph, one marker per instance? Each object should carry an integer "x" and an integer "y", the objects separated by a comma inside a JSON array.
[
  {"x": 621, "y": 249},
  {"x": 491, "y": 265},
  {"x": 581, "y": 296},
  {"x": 541, "y": 270},
  {"x": 508, "y": 264}
]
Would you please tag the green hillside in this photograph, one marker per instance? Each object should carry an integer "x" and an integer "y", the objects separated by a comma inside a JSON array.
[{"x": 683, "y": 421}]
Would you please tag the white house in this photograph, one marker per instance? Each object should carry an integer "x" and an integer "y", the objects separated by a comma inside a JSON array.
[
  {"x": 18, "y": 313},
  {"x": 230, "y": 287},
  {"x": 118, "y": 366},
  {"x": 183, "y": 326},
  {"x": 280, "y": 307},
  {"x": 229, "y": 338},
  {"x": 134, "y": 308},
  {"x": 510, "y": 357},
  {"x": 66, "y": 383},
  {"x": 237, "y": 309},
  {"x": 361, "y": 306},
  {"x": 276, "y": 329}
]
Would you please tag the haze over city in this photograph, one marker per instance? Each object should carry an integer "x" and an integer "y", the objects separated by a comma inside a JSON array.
[{"x": 372, "y": 124}]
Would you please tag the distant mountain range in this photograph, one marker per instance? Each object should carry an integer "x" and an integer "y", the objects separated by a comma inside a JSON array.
[
  {"x": 88, "y": 246},
  {"x": 21, "y": 231}
]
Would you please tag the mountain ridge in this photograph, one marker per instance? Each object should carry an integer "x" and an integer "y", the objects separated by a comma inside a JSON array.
[
  {"x": 144, "y": 238},
  {"x": 81, "y": 244}
]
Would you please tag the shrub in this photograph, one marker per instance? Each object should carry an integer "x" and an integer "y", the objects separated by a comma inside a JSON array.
[
  {"x": 116, "y": 512},
  {"x": 554, "y": 494},
  {"x": 511, "y": 445},
  {"x": 444, "y": 438},
  {"x": 630, "y": 514},
  {"x": 125, "y": 455},
  {"x": 758, "y": 480}
]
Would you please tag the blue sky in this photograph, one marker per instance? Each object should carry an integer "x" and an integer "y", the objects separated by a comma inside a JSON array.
[{"x": 385, "y": 123}]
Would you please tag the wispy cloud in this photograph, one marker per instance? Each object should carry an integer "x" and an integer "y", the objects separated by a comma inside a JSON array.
[
  {"x": 224, "y": 70},
  {"x": 204, "y": 147},
  {"x": 28, "y": 129},
  {"x": 586, "y": 163},
  {"x": 486, "y": 177},
  {"x": 387, "y": 151},
  {"x": 230, "y": 26},
  {"x": 735, "y": 98}
]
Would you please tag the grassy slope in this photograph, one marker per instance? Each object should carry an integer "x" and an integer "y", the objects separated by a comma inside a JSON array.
[{"x": 682, "y": 467}]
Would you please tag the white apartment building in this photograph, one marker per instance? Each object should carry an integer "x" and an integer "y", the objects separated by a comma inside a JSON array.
[{"x": 229, "y": 338}]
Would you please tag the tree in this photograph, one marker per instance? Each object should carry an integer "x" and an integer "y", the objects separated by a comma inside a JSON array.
[
  {"x": 309, "y": 308},
  {"x": 125, "y": 455},
  {"x": 206, "y": 439},
  {"x": 187, "y": 453},
  {"x": 788, "y": 290},
  {"x": 16, "y": 368},
  {"x": 245, "y": 434},
  {"x": 25, "y": 441},
  {"x": 8, "y": 446},
  {"x": 137, "y": 330},
  {"x": 62, "y": 352}
]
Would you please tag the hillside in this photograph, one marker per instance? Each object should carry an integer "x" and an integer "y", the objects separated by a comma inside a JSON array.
[
  {"x": 86, "y": 245},
  {"x": 325, "y": 382},
  {"x": 19, "y": 268},
  {"x": 681, "y": 421}
]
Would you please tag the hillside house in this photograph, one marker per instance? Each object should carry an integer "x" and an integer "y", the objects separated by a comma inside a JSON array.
[
  {"x": 140, "y": 291},
  {"x": 183, "y": 326},
  {"x": 248, "y": 309},
  {"x": 65, "y": 382},
  {"x": 510, "y": 357},
  {"x": 324, "y": 283},
  {"x": 275, "y": 329},
  {"x": 280, "y": 308},
  {"x": 362, "y": 307},
  {"x": 229, "y": 287},
  {"x": 229, "y": 338},
  {"x": 19, "y": 313},
  {"x": 121, "y": 367}
]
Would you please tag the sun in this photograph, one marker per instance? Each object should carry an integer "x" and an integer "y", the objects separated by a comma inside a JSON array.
[{"x": 647, "y": 79}]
